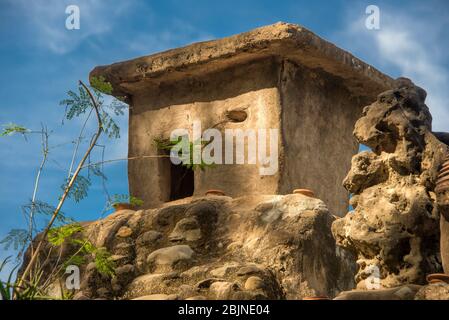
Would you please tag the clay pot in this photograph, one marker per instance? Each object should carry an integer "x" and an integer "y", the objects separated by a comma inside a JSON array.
[
  {"x": 316, "y": 298},
  {"x": 123, "y": 206},
  {"x": 215, "y": 192},
  {"x": 437, "y": 278},
  {"x": 306, "y": 192}
]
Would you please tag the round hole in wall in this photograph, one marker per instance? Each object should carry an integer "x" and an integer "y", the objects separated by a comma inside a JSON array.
[{"x": 236, "y": 115}]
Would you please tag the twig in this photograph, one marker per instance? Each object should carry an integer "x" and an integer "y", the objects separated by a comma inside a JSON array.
[
  {"x": 78, "y": 142},
  {"x": 125, "y": 159},
  {"x": 44, "y": 137}
]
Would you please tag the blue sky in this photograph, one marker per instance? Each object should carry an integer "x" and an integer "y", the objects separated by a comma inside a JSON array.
[{"x": 41, "y": 60}]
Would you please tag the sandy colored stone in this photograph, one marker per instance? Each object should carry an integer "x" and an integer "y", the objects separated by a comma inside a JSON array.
[
  {"x": 279, "y": 77},
  {"x": 222, "y": 290},
  {"x": 186, "y": 229},
  {"x": 407, "y": 292},
  {"x": 394, "y": 225},
  {"x": 158, "y": 297},
  {"x": 224, "y": 270},
  {"x": 124, "y": 232},
  {"x": 436, "y": 291},
  {"x": 254, "y": 283},
  {"x": 170, "y": 256},
  {"x": 293, "y": 255},
  {"x": 196, "y": 298}
]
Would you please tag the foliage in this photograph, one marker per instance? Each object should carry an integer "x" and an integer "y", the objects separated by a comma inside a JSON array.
[
  {"x": 57, "y": 236},
  {"x": 71, "y": 233},
  {"x": 110, "y": 127},
  {"x": 183, "y": 144},
  {"x": 96, "y": 170},
  {"x": 79, "y": 188},
  {"x": 16, "y": 238},
  {"x": 6, "y": 288},
  {"x": 100, "y": 84},
  {"x": 103, "y": 262},
  {"x": 9, "y": 289},
  {"x": 78, "y": 103},
  {"x": 12, "y": 128},
  {"x": 33, "y": 282},
  {"x": 44, "y": 209}
]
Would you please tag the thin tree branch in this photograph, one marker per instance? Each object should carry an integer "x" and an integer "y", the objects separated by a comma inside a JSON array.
[
  {"x": 68, "y": 187},
  {"x": 78, "y": 142},
  {"x": 125, "y": 159},
  {"x": 44, "y": 138}
]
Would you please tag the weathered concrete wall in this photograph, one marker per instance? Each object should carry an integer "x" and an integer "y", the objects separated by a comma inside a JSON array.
[
  {"x": 157, "y": 111},
  {"x": 318, "y": 118}
]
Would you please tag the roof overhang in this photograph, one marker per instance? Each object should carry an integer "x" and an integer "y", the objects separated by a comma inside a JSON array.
[{"x": 284, "y": 40}]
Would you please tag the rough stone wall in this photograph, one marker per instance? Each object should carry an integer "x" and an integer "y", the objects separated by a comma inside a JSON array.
[
  {"x": 318, "y": 117},
  {"x": 217, "y": 247},
  {"x": 395, "y": 222}
]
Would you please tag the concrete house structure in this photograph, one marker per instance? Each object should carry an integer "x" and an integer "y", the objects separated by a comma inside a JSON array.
[{"x": 280, "y": 76}]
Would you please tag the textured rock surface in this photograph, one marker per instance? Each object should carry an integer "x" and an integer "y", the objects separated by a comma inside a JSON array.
[
  {"x": 435, "y": 291},
  {"x": 394, "y": 225},
  {"x": 260, "y": 247},
  {"x": 406, "y": 292}
]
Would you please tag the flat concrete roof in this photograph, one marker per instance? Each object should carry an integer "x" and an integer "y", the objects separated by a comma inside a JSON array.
[{"x": 284, "y": 40}]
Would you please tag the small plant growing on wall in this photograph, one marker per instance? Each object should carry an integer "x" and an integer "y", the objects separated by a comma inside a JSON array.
[{"x": 186, "y": 159}]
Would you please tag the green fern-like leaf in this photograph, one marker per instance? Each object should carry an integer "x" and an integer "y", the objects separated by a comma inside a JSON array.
[
  {"x": 100, "y": 84},
  {"x": 96, "y": 170},
  {"x": 77, "y": 103},
  {"x": 103, "y": 262},
  {"x": 16, "y": 238},
  {"x": 110, "y": 127},
  {"x": 45, "y": 209},
  {"x": 11, "y": 128},
  {"x": 57, "y": 236},
  {"x": 79, "y": 188},
  {"x": 76, "y": 260}
]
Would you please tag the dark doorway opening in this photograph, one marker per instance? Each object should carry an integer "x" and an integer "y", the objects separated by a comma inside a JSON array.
[{"x": 181, "y": 182}]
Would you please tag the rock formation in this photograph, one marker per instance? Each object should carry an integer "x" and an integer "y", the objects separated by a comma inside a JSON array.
[
  {"x": 217, "y": 247},
  {"x": 394, "y": 227}
]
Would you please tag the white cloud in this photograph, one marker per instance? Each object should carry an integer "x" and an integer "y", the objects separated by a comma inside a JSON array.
[
  {"x": 406, "y": 45},
  {"x": 47, "y": 21},
  {"x": 176, "y": 33}
]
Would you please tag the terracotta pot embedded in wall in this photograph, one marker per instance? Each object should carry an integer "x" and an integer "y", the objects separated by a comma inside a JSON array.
[
  {"x": 437, "y": 278},
  {"x": 316, "y": 298},
  {"x": 215, "y": 192},
  {"x": 236, "y": 115},
  {"x": 306, "y": 192}
]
